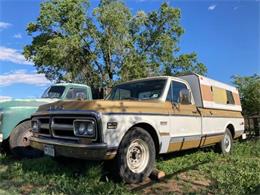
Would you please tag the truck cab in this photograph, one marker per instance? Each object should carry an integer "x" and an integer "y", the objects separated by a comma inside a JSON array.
[{"x": 15, "y": 114}]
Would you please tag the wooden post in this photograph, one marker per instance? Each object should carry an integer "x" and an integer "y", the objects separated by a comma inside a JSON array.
[
  {"x": 157, "y": 175},
  {"x": 256, "y": 127}
]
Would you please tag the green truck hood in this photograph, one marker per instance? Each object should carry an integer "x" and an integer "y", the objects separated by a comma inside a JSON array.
[
  {"x": 17, "y": 110},
  {"x": 24, "y": 102}
]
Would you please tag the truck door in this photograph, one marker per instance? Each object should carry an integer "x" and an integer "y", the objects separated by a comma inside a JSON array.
[{"x": 185, "y": 120}]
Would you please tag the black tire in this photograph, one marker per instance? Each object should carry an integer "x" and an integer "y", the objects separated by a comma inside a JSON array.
[
  {"x": 19, "y": 142},
  {"x": 226, "y": 145},
  {"x": 137, "y": 146}
]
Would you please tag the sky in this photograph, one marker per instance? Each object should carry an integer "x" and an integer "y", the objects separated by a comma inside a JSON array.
[{"x": 224, "y": 34}]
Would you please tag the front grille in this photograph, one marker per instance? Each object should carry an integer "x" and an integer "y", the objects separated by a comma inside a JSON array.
[
  {"x": 44, "y": 126},
  {"x": 59, "y": 126},
  {"x": 62, "y": 127}
]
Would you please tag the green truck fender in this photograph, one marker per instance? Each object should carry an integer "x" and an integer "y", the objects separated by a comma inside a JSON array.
[{"x": 13, "y": 117}]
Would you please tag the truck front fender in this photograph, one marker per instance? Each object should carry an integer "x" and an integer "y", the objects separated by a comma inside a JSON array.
[{"x": 13, "y": 116}]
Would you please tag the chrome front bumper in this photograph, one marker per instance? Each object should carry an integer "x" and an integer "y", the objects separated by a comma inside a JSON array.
[{"x": 94, "y": 151}]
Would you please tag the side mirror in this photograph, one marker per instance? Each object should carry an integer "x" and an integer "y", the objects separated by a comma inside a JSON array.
[{"x": 185, "y": 96}]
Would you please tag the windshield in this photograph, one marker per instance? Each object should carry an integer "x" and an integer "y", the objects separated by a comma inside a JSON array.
[
  {"x": 54, "y": 92},
  {"x": 139, "y": 90}
]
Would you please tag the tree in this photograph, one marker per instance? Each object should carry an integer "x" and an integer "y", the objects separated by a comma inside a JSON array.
[
  {"x": 108, "y": 45},
  {"x": 249, "y": 89}
]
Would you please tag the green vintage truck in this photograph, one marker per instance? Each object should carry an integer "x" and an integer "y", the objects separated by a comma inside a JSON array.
[{"x": 15, "y": 116}]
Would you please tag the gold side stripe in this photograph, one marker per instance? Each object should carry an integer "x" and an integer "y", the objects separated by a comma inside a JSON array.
[
  {"x": 188, "y": 144},
  {"x": 164, "y": 134}
]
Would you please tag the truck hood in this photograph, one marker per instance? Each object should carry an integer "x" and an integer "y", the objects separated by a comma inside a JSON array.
[
  {"x": 107, "y": 106},
  {"x": 24, "y": 102}
]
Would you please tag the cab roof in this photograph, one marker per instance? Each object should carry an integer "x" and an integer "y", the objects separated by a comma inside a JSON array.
[{"x": 70, "y": 84}]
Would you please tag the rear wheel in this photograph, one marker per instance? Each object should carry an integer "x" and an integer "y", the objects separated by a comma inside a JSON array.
[
  {"x": 19, "y": 142},
  {"x": 136, "y": 156},
  {"x": 226, "y": 144}
]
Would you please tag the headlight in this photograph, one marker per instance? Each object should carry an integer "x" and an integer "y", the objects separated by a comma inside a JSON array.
[
  {"x": 35, "y": 126},
  {"x": 85, "y": 128}
]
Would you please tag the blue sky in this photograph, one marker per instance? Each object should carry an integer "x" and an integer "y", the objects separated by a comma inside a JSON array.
[{"x": 224, "y": 34}]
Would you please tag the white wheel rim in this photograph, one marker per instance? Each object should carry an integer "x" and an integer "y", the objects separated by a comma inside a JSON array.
[
  {"x": 227, "y": 142},
  {"x": 137, "y": 156}
]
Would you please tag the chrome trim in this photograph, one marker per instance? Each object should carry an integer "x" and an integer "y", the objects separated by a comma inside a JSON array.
[
  {"x": 85, "y": 120},
  {"x": 52, "y": 130},
  {"x": 44, "y": 126},
  {"x": 78, "y": 113},
  {"x": 193, "y": 137},
  {"x": 65, "y": 137},
  {"x": 66, "y": 112},
  {"x": 68, "y": 144},
  {"x": 165, "y": 114},
  {"x": 62, "y": 127}
]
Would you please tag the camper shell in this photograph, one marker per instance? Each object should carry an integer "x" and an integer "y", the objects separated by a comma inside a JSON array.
[{"x": 209, "y": 93}]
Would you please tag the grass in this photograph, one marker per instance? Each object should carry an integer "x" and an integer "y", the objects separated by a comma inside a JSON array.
[{"x": 192, "y": 172}]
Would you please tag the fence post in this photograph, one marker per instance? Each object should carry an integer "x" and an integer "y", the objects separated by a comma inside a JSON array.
[{"x": 256, "y": 126}]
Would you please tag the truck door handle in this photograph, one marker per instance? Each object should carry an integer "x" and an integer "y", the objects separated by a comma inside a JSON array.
[{"x": 194, "y": 112}]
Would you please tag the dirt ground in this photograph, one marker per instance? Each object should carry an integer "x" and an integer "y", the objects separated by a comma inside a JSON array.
[{"x": 188, "y": 181}]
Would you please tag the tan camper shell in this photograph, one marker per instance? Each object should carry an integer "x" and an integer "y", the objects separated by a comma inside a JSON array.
[{"x": 140, "y": 119}]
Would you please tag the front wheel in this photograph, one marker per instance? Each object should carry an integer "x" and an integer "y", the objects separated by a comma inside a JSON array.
[
  {"x": 226, "y": 144},
  {"x": 19, "y": 142},
  {"x": 136, "y": 156}
]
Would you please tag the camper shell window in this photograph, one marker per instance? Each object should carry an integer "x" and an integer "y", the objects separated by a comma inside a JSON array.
[{"x": 230, "y": 98}]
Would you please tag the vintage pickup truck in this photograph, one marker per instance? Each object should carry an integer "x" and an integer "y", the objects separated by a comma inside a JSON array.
[
  {"x": 140, "y": 119},
  {"x": 15, "y": 115}
]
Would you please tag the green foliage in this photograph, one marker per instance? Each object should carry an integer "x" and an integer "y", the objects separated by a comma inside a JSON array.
[
  {"x": 234, "y": 174},
  {"x": 49, "y": 177},
  {"x": 107, "y": 45},
  {"x": 238, "y": 173},
  {"x": 249, "y": 89}
]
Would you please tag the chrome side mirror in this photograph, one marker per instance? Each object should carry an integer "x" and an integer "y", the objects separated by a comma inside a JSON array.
[{"x": 185, "y": 96}]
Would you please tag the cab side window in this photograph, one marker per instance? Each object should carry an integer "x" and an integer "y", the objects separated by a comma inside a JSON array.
[
  {"x": 176, "y": 88},
  {"x": 75, "y": 93}
]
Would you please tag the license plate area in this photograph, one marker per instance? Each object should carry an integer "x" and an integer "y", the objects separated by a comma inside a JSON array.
[{"x": 49, "y": 150}]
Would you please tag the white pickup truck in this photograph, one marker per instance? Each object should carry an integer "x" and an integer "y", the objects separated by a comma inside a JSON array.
[{"x": 140, "y": 119}]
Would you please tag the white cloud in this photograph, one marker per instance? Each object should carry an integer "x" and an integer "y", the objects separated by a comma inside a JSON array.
[
  {"x": 12, "y": 55},
  {"x": 23, "y": 77},
  {"x": 4, "y": 25},
  {"x": 18, "y": 36},
  {"x": 212, "y": 7},
  {"x": 5, "y": 97}
]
